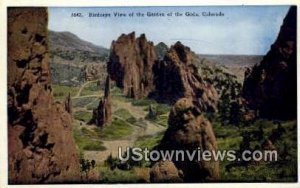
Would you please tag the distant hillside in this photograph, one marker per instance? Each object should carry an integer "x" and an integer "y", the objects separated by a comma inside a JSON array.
[
  {"x": 66, "y": 41},
  {"x": 234, "y": 60},
  {"x": 74, "y": 60},
  {"x": 237, "y": 64}
]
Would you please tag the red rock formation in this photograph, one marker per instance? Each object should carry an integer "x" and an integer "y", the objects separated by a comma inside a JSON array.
[
  {"x": 176, "y": 77},
  {"x": 165, "y": 172},
  {"x": 40, "y": 143},
  {"x": 270, "y": 87},
  {"x": 130, "y": 65},
  {"x": 102, "y": 114},
  {"x": 134, "y": 66},
  {"x": 188, "y": 130},
  {"x": 68, "y": 104}
]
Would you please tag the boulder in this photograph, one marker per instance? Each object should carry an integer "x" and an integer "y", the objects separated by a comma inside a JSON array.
[
  {"x": 165, "y": 172},
  {"x": 188, "y": 130}
]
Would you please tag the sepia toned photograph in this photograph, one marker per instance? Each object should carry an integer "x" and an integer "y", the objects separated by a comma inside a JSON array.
[{"x": 153, "y": 94}]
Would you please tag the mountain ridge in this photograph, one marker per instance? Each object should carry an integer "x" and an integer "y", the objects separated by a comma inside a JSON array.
[{"x": 70, "y": 41}]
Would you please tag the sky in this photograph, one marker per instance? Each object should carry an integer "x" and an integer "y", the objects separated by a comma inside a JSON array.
[{"x": 248, "y": 30}]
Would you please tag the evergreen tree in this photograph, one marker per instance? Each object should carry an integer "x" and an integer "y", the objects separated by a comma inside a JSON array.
[
  {"x": 224, "y": 108},
  {"x": 235, "y": 116}
]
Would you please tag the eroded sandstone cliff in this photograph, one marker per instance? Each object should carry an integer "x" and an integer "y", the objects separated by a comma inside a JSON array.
[
  {"x": 176, "y": 76},
  {"x": 130, "y": 64},
  {"x": 270, "y": 88},
  {"x": 40, "y": 143},
  {"x": 135, "y": 67}
]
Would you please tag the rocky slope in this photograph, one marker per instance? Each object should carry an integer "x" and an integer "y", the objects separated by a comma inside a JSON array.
[
  {"x": 40, "y": 146},
  {"x": 130, "y": 64},
  {"x": 233, "y": 64},
  {"x": 219, "y": 76},
  {"x": 81, "y": 60},
  {"x": 270, "y": 87},
  {"x": 187, "y": 130},
  {"x": 66, "y": 42},
  {"x": 176, "y": 76}
]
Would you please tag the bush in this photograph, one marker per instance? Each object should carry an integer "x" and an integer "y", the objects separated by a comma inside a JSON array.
[
  {"x": 162, "y": 109},
  {"x": 94, "y": 146}
]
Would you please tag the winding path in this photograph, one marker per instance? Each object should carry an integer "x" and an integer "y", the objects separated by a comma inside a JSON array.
[
  {"x": 112, "y": 146},
  {"x": 81, "y": 88}
]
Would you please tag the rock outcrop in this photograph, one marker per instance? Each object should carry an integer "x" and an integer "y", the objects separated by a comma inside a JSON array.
[
  {"x": 95, "y": 72},
  {"x": 135, "y": 67},
  {"x": 130, "y": 65},
  {"x": 103, "y": 114},
  {"x": 68, "y": 104},
  {"x": 270, "y": 87},
  {"x": 165, "y": 172},
  {"x": 40, "y": 142},
  {"x": 188, "y": 130},
  {"x": 176, "y": 76}
]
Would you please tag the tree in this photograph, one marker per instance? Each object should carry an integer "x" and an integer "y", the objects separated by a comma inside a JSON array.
[
  {"x": 224, "y": 108},
  {"x": 235, "y": 116}
]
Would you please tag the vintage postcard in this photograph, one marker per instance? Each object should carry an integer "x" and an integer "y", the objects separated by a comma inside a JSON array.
[{"x": 151, "y": 94}]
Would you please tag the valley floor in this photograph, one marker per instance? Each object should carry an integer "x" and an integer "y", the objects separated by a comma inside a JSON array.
[{"x": 131, "y": 128}]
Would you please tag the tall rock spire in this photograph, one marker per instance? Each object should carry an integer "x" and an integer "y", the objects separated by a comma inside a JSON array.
[
  {"x": 130, "y": 65},
  {"x": 102, "y": 115},
  {"x": 68, "y": 104},
  {"x": 107, "y": 88}
]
